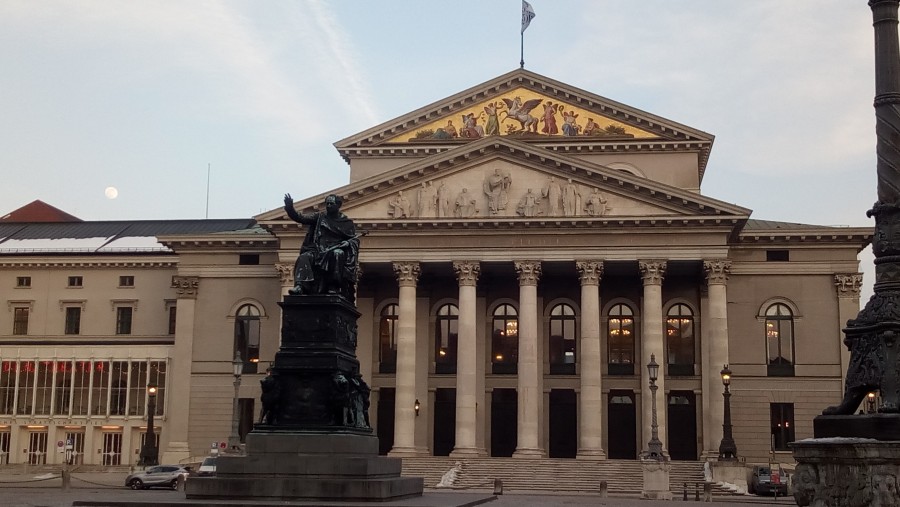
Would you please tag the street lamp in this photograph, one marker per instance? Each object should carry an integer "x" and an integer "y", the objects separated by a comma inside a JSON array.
[
  {"x": 870, "y": 403},
  {"x": 234, "y": 441},
  {"x": 727, "y": 448},
  {"x": 654, "y": 446},
  {"x": 149, "y": 452}
]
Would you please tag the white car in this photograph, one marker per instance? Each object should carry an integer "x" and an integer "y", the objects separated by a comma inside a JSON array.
[
  {"x": 158, "y": 476},
  {"x": 208, "y": 467}
]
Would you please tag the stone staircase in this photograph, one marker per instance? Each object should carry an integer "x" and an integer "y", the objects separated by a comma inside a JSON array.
[{"x": 623, "y": 477}]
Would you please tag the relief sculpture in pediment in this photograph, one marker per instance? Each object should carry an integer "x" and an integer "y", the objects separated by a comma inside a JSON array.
[
  {"x": 496, "y": 187},
  {"x": 399, "y": 206}
]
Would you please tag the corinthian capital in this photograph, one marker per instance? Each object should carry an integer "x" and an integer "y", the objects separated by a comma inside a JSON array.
[
  {"x": 717, "y": 271},
  {"x": 186, "y": 287},
  {"x": 652, "y": 271},
  {"x": 529, "y": 272},
  {"x": 590, "y": 272},
  {"x": 285, "y": 272},
  {"x": 407, "y": 273},
  {"x": 848, "y": 284},
  {"x": 467, "y": 272}
]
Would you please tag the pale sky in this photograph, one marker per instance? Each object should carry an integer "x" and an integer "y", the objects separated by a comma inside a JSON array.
[{"x": 143, "y": 95}]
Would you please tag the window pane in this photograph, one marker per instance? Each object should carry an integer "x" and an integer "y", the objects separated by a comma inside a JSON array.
[
  {"x": 137, "y": 387},
  {"x": 157, "y": 375},
  {"x": 7, "y": 386},
  {"x": 43, "y": 387},
  {"x": 81, "y": 387},
  {"x": 118, "y": 391},
  {"x": 505, "y": 336},
  {"x": 123, "y": 319},
  {"x": 100, "y": 388},
  {"x": 446, "y": 338},
  {"x": 73, "y": 320},
  {"x": 173, "y": 310},
  {"x": 782, "y": 415},
  {"x": 26, "y": 387},
  {"x": 20, "y": 320},
  {"x": 562, "y": 335},
  {"x": 387, "y": 338},
  {"x": 680, "y": 335},
  {"x": 63, "y": 394},
  {"x": 621, "y": 335}
]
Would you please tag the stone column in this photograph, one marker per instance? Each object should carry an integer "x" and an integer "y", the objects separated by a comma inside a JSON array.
[
  {"x": 286, "y": 275},
  {"x": 405, "y": 398},
  {"x": 466, "y": 361},
  {"x": 178, "y": 392},
  {"x": 590, "y": 410},
  {"x": 716, "y": 277},
  {"x": 652, "y": 273},
  {"x": 530, "y": 393},
  {"x": 847, "y": 286}
]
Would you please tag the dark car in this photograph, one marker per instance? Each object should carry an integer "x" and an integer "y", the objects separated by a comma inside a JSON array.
[
  {"x": 766, "y": 482},
  {"x": 158, "y": 476}
]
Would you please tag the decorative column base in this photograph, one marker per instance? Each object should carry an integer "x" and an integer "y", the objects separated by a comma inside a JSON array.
[
  {"x": 529, "y": 453},
  {"x": 467, "y": 452},
  {"x": 656, "y": 480},
  {"x": 846, "y": 472},
  {"x": 407, "y": 452},
  {"x": 591, "y": 454}
]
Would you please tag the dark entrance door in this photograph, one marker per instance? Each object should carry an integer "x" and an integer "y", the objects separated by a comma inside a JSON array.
[
  {"x": 563, "y": 423},
  {"x": 622, "y": 423},
  {"x": 682, "y": 425},
  {"x": 444, "y": 421},
  {"x": 385, "y": 419},
  {"x": 504, "y": 432}
]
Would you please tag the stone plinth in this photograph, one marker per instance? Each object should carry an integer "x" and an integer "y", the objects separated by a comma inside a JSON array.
[
  {"x": 656, "y": 480},
  {"x": 306, "y": 466},
  {"x": 732, "y": 472},
  {"x": 846, "y": 472}
]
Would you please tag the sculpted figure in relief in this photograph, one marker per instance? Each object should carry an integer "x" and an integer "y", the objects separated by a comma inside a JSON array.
[
  {"x": 552, "y": 192},
  {"x": 571, "y": 199},
  {"x": 528, "y": 204},
  {"x": 596, "y": 204},
  {"x": 399, "y": 206},
  {"x": 495, "y": 187},
  {"x": 442, "y": 204},
  {"x": 426, "y": 200},
  {"x": 465, "y": 205}
]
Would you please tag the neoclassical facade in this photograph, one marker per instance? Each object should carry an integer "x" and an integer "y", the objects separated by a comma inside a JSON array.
[{"x": 529, "y": 247}]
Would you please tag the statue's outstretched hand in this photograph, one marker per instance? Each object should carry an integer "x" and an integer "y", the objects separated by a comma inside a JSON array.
[{"x": 288, "y": 200}]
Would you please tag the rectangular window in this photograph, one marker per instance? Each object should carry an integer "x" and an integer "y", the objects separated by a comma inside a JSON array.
[
  {"x": 73, "y": 320},
  {"x": 81, "y": 388},
  {"x": 157, "y": 375},
  {"x": 26, "y": 388},
  {"x": 20, "y": 320},
  {"x": 118, "y": 389},
  {"x": 100, "y": 388},
  {"x": 782, "y": 425},
  {"x": 137, "y": 388},
  {"x": 173, "y": 311},
  {"x": 778, "y": 255},
  {"x": 43, "y": 387},
  {"x": 8, "y": 386},
  {"x": 248, "y": 259},
  {"x": 23, "y": 281},
  {"x": 62, "y": 395},
  {"x": 76, "y": 281},
  {"x": 126, "y": 281},
  {"x": 123, "y": 319}
]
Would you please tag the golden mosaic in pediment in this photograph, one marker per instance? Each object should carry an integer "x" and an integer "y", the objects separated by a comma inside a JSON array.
[{"x": 523, "y": 113}]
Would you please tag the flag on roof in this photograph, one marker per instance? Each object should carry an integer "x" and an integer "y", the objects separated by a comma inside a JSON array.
[{"x": 527, "y": 15}]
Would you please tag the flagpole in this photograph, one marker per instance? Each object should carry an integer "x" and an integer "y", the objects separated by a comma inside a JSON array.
[{"x": 522, "y": 49}]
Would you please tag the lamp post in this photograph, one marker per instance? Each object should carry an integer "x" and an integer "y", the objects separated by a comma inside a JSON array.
[
  {"x": 727, "y": 448},
  {"x": 654, "y": 446},
  {"x": 234, "y": 440},
  {"x": 870, "y": 403},
  {"x": 149, "y": 452}
]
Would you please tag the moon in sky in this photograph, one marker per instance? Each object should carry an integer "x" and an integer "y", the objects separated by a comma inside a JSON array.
[{"x": 111, "y": 192}]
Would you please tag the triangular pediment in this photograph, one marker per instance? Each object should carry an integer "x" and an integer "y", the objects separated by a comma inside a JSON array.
[
  {"x": 507, "y": 179},
  {"x": 528, "y": 107}
]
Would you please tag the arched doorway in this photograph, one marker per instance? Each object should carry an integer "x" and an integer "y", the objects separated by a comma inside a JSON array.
[
  {"x": 682, "y": 427},
  {"x": 622, "y": 423}
]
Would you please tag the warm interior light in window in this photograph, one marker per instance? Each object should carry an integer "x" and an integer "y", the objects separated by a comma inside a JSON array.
[
  {"x": 499, "y": 357},
  {"x": 512, "y": 327},
  {"x": 442, "y": 352},
  {"x": 626, "y": 332},
  {"x": 614, "y": 321},
  {"x": 254, "y": 360}
]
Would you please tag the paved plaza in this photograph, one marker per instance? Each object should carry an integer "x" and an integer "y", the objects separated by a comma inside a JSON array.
[{"x": 107, "y": 489}]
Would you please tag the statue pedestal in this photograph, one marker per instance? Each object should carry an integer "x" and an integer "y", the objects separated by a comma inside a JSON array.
[
  {"x": 656, "y": 480},
  {"x": 315, "y": 442},
  {"x": 846, "y": 472}
]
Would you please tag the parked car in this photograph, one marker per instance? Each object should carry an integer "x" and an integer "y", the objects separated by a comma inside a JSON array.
[
  {"x": 157, "y": 476},
  {"x": 208, "y": 467},
  {"x": 766, "y": 482}
]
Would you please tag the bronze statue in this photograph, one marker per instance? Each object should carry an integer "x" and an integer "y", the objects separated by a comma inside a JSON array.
[{"x": 329, "y": 254}]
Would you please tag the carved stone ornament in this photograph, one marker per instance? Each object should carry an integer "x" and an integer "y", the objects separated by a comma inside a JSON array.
[
  {"x": 467, "y": 272},
  {"x": 589, "y": 272},
  {"x": 529, "y": 272},
  {"x": 285, "y": 272},
  {"x": 717, "y": 271},
  {"x": 186, "y": 286},
  {"x": 652, "y": 272},
  {"x": 407, "y": 272},
  {"x": 846, "y": 474},
  {"x": 848, "y": 284}
]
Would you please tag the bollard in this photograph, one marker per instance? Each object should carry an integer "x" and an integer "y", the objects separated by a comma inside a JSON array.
[
  {"x": 696, "y": 492},
  {"x": 684, "y": 491},
  {"x": 179, "y": 484},
  {"x": 707, "y": 492},
  {"x": 66, "y": 478},
  {"x": 498, "y": 487},
  {"x": 604, "y": 489}
]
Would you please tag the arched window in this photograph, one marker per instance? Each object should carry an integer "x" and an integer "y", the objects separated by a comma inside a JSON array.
[
  {"x": 446, "y": 332},
  {"x": 387, "y": 339},
  {"x": 780, "y": 340},
  {"x": 680, "y": 340},
  {"x": 562, "y": 340},
  {"x": 620, "y": 340},
  {"x": 505, "y": 340},
  {"x": 246, "y": 336}
]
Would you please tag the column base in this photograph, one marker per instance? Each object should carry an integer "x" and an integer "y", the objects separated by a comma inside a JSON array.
[
  {"x": 176, "y": 452},
  {"x": 466, "y": 452},
  {"x": 407, "y": 452},
  {"x": 529, "y": 453},
  {"x": 591, "y": 454}
]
